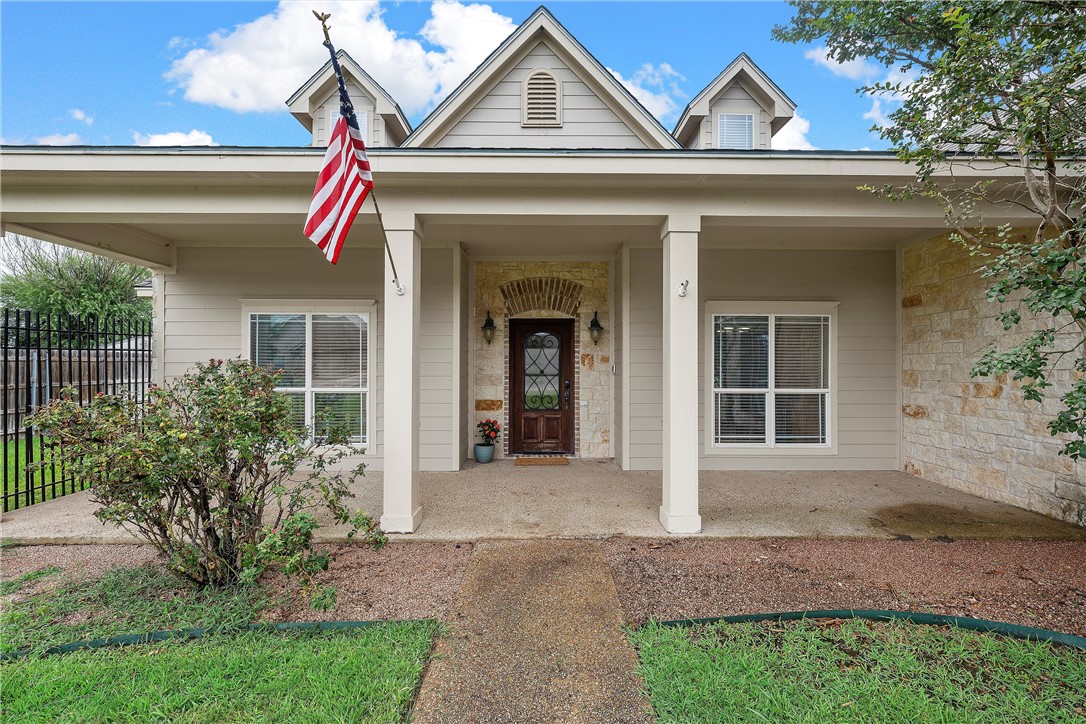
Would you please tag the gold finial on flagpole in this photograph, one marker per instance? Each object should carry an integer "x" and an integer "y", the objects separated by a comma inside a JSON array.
[{"x": 323, "y": 17}]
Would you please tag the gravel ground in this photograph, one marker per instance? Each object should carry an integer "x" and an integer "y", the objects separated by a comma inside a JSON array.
[
  {"x": 400, "y": 581},
  {"x": 1033, "y": 583}
]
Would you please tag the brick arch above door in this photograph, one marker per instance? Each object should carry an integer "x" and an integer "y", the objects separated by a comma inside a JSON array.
[{"x": 542, "y": 293}]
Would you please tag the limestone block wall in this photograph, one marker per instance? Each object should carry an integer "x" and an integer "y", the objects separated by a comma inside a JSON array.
[
  {"x": 529, "y": 289},
  {"x": 977, "y": 435}
]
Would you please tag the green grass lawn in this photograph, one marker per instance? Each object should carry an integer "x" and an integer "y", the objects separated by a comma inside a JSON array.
[
  {"x": 368, "y": 675},
  {"x": 858, "y": 671},
  {"x": 16, "y": 479}
]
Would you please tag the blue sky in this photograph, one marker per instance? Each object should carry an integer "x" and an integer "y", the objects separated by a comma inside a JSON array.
[{"x": 157, "y": 73}]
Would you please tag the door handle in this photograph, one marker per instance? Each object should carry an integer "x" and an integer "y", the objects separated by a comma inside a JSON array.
[{"x": 566, "y": 396}]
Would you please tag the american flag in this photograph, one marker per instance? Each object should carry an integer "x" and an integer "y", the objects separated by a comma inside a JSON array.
[{"x": 344, "y": 181}]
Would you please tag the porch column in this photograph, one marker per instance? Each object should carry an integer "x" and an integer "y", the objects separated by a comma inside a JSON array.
[
  {"x": 679, "y": 513},
  {"x": 402, "y": 509}
]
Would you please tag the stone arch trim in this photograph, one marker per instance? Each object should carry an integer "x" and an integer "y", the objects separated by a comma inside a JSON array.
[{"x": 536, "y": 293}]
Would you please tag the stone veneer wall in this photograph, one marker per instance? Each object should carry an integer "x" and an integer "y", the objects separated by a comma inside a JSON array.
[
  {"x": 592, "y": 378},
  {"x": 977, "y": 435}
]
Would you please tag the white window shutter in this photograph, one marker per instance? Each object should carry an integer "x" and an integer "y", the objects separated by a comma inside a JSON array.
[{"x": 735, "y": 131}]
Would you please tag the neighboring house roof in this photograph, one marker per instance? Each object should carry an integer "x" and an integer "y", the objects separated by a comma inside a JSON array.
[
  {"x": 315, "y": 91},
  {"x": 146, "y": 288},
  {"x": 744, "y": 70},
  {"x": 541, "y": 25}
]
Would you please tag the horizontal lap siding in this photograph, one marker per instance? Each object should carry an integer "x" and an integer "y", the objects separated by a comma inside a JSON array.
[
  {"x": 646, "y": 363},
  {"x": 202, "y": 320},
  {"x": 867, "y": 399},
  {"x": 867, "y": 364},
  {"x": 496, "y": 119},
  {"x": 436, "y": 382}
]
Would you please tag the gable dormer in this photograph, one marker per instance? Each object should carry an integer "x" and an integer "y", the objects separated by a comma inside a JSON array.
[
  {"x": 541, "y": 89},
  {"x": 316, "y": 105},
  {"x": 741, "y": 109}
]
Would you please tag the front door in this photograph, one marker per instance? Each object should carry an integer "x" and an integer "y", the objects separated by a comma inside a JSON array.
[{"x": 541, "y": 385}]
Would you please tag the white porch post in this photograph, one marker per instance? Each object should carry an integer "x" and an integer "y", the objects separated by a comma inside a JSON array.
[
  {"x": 402, "y": 509},
  {"x": 679, "y": 512}
]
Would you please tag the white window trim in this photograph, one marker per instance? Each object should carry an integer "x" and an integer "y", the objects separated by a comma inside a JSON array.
[
  {"x": 711, "y": 447},
  {"x": 720, "y": 138},
  {"x": 524, "y": 122},
  {"x": 364, "y": 307}
]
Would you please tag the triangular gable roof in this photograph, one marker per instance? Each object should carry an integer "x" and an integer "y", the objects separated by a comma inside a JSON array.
[
  {"x": 780, "y": 106},
  {"x": 541, "y": 24},
  {"x": 304, "y": 102}
]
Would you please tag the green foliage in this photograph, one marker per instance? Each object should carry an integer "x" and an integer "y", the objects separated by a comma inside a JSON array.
[
  {"x": 857, "y": 671},
  {"x": 992, "y": 116},
  {"x": 211, "y": 471},
  {"x": 50, "y": 279},
  {"x": 362, "y": 675},
  {"x": 123, "y": 601}
]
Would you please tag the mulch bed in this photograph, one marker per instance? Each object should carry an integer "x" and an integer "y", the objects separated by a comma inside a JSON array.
[{"x": 1032, "y": 583}]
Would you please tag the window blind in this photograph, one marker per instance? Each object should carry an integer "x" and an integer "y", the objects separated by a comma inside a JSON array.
[{"x": 735, "y": 131}]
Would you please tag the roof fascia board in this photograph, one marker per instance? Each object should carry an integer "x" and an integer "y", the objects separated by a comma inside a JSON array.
[
  {"x": 698, "y": 108},
  {"x": 302, "y": 105},
  {"x": 519, "y": 43}
]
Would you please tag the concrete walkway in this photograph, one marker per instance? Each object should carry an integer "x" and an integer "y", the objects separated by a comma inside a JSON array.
[
  {"x": 534, "y": 636},
  {"x": 595, "y": 499}
]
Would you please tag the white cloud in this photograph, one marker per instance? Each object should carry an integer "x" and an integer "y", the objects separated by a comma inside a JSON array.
[
  {"x": 656, "y": 87},
  {"x": 173, "y": 138},
  {"x": 877, "y": 114},
  {"x": 59, "y": 139},
  {"x": 794, "y": 135},
  {"x": 257, "y": 65},
  {"x": 855, "y": 69},
  {"x": 80, "y": 116}
]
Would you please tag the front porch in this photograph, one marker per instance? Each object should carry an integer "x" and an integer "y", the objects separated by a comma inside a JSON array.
[{"x": 596, "y": 499}]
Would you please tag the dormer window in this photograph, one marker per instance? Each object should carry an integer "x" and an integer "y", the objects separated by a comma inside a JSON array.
[
  {"x": 735, "y": 130},
  {"x": 541, "y": 100}
]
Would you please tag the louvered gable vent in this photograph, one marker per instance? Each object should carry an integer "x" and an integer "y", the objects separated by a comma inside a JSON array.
[{"x": 542, "y": 100}]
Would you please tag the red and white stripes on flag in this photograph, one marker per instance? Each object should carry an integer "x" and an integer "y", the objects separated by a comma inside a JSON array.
[{"x": 344, "y": 181}]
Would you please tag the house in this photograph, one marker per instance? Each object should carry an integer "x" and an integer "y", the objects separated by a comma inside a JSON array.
[{"x": 757, "y": 311}]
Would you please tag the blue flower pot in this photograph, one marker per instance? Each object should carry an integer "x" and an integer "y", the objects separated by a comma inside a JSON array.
[{"x": 483, "y": 453}]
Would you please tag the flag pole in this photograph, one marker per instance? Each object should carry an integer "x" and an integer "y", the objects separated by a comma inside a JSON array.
[{"x": 323, "y": 18}]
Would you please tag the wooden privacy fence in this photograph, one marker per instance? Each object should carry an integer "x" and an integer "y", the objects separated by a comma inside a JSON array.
[{"x": 44, "y": 354}]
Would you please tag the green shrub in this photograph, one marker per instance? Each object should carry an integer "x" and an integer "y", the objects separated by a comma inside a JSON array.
[{"x": 211, "y": 471}]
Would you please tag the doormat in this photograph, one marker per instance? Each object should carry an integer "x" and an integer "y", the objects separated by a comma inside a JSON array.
[{"x": 541, "y": 461}]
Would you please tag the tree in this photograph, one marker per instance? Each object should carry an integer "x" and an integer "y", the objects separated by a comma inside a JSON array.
[
  {"x": 52, "y": 279},
  {"x": 999, "y": 86}
]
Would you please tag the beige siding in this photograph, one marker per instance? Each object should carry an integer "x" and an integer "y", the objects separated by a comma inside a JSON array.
[
  {"x": 864, "y": 284},
  {"x": 436, "y": 369},
  {"x": 736, "y": 99},
  {"x": 364, "y": 107},
  {"x": 646, "y": 361},
  {"x": 495, "y": 121},
  {"x": 202, "y": 320},
  {"x": 618, "y": 332},
  {"x": 467, "y": 415}
]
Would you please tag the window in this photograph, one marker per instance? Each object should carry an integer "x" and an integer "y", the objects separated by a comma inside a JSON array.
[
  {"x": 541, "y": 99},
  {"x": 735, "y": 131},
  {"x": 772, "y": 375},
  {"x": 331, "y": 111},
  {"x": 325, "y": 358}
]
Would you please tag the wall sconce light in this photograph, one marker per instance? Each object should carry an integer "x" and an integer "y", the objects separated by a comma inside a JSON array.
[
  {"x": 488, "y": 328},
  {"x": 595, "y": 329}
]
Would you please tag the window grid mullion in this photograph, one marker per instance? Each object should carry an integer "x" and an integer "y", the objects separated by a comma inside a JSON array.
[
  {"x": 310, "y": 423},
  {"x": 771, "y": 399}
]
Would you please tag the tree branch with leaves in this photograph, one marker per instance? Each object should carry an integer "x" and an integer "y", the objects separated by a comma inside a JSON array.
[{"x": 1001, "y": 87}]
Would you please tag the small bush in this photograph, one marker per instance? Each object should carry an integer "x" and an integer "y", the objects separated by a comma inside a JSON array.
[{"x": 210, "y": 470}]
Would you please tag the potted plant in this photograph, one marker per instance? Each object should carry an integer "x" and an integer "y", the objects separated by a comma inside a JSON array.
[{"x": 489, "y": 430}]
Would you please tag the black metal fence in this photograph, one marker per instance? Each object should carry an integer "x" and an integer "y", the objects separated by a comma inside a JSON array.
[{"x": 43, "y": 354}]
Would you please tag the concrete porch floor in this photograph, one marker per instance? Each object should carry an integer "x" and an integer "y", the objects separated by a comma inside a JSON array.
[{"x": 595, "y": 499}]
